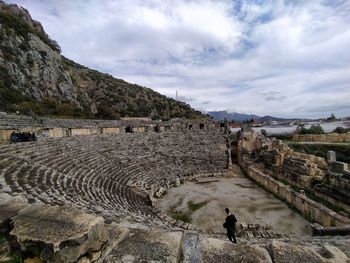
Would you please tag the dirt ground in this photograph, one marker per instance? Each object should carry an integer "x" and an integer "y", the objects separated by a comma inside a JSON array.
[{"x": 248, "y": 202}]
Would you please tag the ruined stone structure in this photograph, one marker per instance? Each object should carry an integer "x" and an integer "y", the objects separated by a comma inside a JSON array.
[
  {"x": 89, "y": 198},
  {"x": 288, "y": 175},
  {"x": 58, "y": 128},
  {"x": 336, "y": 184},
  {"x": 64, "y": 234},
  {"x": 110, "y": 174}
]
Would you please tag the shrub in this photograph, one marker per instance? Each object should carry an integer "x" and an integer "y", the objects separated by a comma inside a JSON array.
[
  {"x": 315, "y": 129},
  {"x": 341, "y": 130}
]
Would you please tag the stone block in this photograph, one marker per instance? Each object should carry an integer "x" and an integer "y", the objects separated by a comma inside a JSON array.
[
  {"x": 62, "y": 234},
  {"x": 331, "y": 156},
  {"x": 215, "y": 250},
  {"x": 152, "y": 245},
  {"x": 9, "y": 207},
  {"x": 282, "y": 253}
]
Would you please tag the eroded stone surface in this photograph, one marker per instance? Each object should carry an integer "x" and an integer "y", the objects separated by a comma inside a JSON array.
[
  {"x": 215, "y": 250},
  {"x": 63, "y": 234},
  {"x": 153, "y": 245},
  {"x": 288, "y": 253},
  {"x": 334, "y": 254},
  {"x": 10, "y": 206}
]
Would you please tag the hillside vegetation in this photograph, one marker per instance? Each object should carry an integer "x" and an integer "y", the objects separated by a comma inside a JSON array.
[{"x": 35, "y": 77}]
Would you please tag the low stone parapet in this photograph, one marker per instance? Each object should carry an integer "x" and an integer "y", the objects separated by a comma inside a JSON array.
[{"x": 329, "y": 137}]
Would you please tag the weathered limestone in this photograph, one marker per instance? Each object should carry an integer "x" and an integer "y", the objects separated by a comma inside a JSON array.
[
  {"x": 110, "y": 175},
  {"x": 215, "y": 250},
  {"x": 334, "y": 254},
  {"x": 59, "y": 234},
  {"x": 58, "y": 128},
  {"x": 153, "y": 245},
  {"x": 331, "y": 156},
  {"x": 9, "y": 207},
  {"x": 271, "y": 164},
  {"x": 64, "y": 234},
  {"x": 286, "y": 253}
]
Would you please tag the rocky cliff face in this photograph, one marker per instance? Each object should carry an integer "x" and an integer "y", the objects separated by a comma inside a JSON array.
[{"x": 34, "y": 76}]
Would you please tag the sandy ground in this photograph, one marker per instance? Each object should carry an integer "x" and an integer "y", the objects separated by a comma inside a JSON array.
[{"x": 248, "y": 202}]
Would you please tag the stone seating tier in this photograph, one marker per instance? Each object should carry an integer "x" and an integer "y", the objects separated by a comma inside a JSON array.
[{"x": 105, "y": 174}]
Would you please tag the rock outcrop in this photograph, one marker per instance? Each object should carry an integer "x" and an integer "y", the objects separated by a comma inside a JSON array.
[{"x": 63, "y": 234}]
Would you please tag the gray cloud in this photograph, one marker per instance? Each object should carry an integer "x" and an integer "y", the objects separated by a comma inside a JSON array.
[{"x": 272, "y": 58}]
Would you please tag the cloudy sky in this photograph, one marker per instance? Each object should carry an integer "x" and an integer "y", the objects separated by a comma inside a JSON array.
[{"x": 286, "y": 58}]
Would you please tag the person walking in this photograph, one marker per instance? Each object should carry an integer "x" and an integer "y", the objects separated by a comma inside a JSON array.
[{"x": 230, "y": 225}]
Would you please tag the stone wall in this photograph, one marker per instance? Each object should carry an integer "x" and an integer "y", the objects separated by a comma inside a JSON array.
[
  {"x": 287, "y": 151},
  {"x": 302, "y": 171},
  {"x": 330, "y": 137},
  {"x": 310, "y": 209},
  {"x": 269, "y": 162},
  {"x": 111, "y": 130},
  {"x": 297, "y": 168},
  {"x": 57, "y": 128},
  {"x": 6, "y": 134}
]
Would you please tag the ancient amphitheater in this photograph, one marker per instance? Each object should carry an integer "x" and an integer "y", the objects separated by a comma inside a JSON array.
[{"x": 85, "y": 192}]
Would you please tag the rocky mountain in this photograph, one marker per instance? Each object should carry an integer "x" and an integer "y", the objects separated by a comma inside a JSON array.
[
  {"x": 234, "y": 116},
  {"x": 35, "y": 77}
]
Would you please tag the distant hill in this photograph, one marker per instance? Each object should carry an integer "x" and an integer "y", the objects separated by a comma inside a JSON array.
[
  {"x": 35, "y": 77},
  {"x": 267, "y": 118},
  {"x": 234, "y": 116}
]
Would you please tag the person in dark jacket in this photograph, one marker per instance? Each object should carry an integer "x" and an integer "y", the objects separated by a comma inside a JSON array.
[{"x": 230, "y": 225}]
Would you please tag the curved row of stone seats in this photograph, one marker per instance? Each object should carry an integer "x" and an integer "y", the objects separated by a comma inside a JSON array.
[
  {"x": 96, "y": 172},
  {"x": 65, "y": 182},
  {"x": 16, "y": 121}
]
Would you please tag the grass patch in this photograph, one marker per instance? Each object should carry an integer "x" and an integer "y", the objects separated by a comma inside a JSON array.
[
  {"x": 5, "y": 238},
  {"x": 184, "y": 216},
  {"x": 192, "y": 206}
]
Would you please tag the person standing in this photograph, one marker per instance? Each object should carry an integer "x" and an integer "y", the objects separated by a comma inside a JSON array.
[{"x": 230, "y": 225}]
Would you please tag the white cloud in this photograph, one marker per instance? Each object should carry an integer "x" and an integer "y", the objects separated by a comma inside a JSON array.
[{"x": 284, "y": 58}]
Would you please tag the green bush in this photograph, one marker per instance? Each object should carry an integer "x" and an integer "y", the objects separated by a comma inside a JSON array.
[
  {"x": 315, "y": 129},
  {"x": 341, "y": 130}
]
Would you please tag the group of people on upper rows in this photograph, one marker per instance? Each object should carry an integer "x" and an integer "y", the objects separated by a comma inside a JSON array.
[{"x": 22, "y": 137}]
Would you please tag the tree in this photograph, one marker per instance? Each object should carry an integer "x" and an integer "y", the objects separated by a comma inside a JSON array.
[
  {"x": 332, "y": 117},
  {"x": 154, "y": 114},
  {"x": 341, "y": 130}
]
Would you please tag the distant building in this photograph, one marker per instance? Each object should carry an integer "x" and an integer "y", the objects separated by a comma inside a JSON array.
[{"x": 235, "y": 125}]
